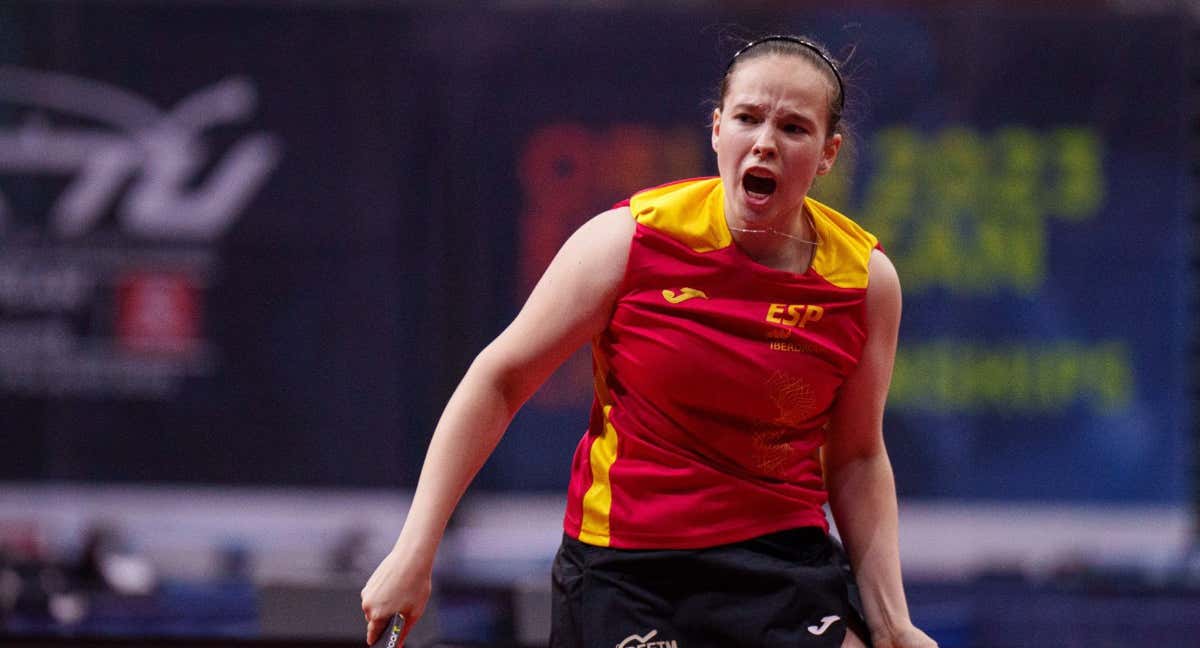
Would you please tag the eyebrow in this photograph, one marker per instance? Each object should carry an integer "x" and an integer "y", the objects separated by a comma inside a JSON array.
[
  {"x": 787, "y": 114},
  {"x": 797, "y": 116},
  {"x": 745, "y": 105}
]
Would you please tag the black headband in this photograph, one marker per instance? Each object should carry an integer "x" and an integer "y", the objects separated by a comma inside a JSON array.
[{"x": 803, "y": 43}]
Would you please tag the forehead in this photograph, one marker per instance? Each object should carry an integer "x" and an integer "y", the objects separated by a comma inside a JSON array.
[{"x": 779, "y": 79}]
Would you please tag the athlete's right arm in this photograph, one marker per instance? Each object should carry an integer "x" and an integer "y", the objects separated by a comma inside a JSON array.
[{"x": 570, "y": 304}]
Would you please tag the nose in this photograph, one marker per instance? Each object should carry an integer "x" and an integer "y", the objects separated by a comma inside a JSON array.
[{"x": 764, "y": 144}]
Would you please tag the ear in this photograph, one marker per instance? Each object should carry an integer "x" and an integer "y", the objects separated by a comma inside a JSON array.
[
  {"x": 829, "y": 154},
  {"x": 716, "y": 128}
]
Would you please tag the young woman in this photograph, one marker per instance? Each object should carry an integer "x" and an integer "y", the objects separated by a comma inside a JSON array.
[{"x": 743, "y": 336}]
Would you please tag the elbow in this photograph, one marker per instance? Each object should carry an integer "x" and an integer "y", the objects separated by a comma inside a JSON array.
[
  {"x": 504, "y": 380},
  {"x": 842, "y": 455}
]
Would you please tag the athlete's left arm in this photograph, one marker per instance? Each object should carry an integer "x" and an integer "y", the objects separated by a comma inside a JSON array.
[{"x": 862, "y": 491}]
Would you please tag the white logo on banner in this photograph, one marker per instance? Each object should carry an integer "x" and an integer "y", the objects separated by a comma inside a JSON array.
[{"x": 156, "y": 154}]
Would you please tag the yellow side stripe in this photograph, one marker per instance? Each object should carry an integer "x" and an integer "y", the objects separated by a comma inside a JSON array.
[{"x": 597, "y": 502}]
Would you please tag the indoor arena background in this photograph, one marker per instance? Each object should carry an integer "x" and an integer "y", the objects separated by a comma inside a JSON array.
[{"x": 247, "y": 248}]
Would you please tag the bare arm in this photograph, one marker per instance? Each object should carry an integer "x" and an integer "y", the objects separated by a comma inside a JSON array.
[
  {"x": 862, "y": 490},
  {"x": 570, "y": 304}
]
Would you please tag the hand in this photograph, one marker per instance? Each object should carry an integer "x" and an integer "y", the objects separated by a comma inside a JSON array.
[
  {"x": 399, "y": 584},
  {"x": 907, "y": 636}
]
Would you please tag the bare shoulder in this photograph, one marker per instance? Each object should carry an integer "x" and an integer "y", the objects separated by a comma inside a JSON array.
[
  {"x": 600, "y": 248},
  {"x": 882, "y": 272},
  {"x": 884, "y": 286},
  {"x": 884, "y": 301},
  {"x": 613, "y": 226},
  {"x": 574, "y": 297}
]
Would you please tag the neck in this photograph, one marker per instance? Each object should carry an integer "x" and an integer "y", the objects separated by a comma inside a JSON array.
[{"x": 790, "y": 245}]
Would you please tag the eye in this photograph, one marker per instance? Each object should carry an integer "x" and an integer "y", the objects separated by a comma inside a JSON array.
[
  {"x": 794, "y": 129},
  {"x": 745, "y": 118}
]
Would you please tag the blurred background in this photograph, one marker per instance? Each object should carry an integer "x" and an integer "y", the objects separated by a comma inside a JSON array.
[{"x": 248, "y": 247}]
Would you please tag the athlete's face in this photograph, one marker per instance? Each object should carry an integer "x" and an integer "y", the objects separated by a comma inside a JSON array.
[{"x": 771, "y": 137}]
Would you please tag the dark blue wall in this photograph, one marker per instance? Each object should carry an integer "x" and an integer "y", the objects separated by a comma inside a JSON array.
[{"x": 1027, "y": 172}]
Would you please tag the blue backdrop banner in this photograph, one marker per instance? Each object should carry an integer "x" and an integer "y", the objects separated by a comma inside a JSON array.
[{"x": 226, "y": 258}]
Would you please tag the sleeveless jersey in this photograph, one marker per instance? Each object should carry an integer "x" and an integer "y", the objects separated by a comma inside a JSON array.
[{"x": 715, "y": 380}]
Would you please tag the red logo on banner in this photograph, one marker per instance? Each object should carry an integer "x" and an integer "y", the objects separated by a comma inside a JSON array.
[{"x": 158, "y": 312}]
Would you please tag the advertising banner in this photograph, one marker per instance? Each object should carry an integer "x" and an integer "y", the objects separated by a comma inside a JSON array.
[
  {"x": 209, "y": 268},
  {"x": 260, "y": 244}
]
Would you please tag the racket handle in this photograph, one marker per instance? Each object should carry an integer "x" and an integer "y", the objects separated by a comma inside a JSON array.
[{"x": 390, "y": 638}]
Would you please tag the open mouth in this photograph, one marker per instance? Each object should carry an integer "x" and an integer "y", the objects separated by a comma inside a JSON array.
[{"x": 758, "y": 185}]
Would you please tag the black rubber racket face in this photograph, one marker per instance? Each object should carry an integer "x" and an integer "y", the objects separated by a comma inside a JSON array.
[{"x": 391, "y": 634}]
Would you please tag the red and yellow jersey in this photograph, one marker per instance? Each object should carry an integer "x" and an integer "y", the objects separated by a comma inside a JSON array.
[{"x": 715, "y": 380}]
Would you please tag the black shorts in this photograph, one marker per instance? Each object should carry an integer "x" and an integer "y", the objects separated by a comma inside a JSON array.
[{"x": 791, "y": 588}]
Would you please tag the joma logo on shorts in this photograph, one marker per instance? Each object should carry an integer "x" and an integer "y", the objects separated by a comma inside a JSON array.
[{"x": 643, "y": 641}]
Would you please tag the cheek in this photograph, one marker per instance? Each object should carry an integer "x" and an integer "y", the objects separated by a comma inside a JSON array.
[
  {"x": 732, "y": 142},
  {"x": 721, "y": 146}
]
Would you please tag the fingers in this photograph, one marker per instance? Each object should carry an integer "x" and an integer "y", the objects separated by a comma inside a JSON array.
[
  {"x": 375, "y": 628},
  {"x": 404, "y": 634},
  {"x": 376, "y": 623},
  {"x": 378, "y": 626}
]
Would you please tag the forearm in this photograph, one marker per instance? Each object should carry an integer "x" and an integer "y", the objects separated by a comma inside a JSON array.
[
  {"x": 863, "y": 501},
  {"x": 470, "y": 427}
]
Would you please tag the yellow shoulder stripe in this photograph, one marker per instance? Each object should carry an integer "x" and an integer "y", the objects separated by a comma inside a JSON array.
[
  {"x": 691, "y": 212},
  {"x": 844, "y": 253}
]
